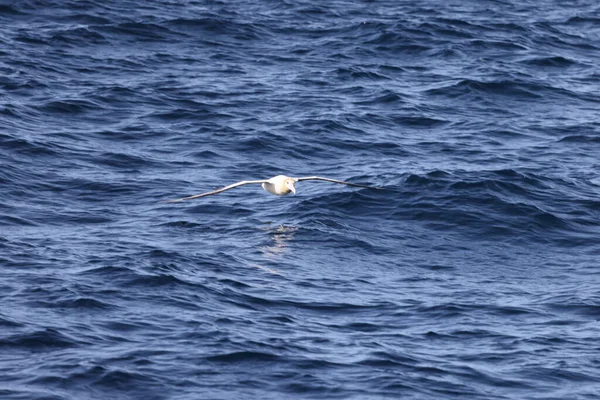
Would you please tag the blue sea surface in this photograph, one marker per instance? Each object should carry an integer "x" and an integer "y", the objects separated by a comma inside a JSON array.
[{"x": 474, "y": 274}]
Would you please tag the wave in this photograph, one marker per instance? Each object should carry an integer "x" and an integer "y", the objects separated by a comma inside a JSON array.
[
  {"x": 553, "y": 61},
  {"x": 40, "y": 340}
]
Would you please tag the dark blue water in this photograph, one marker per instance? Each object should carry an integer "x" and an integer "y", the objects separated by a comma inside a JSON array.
[{"x": 473, "y": 275}]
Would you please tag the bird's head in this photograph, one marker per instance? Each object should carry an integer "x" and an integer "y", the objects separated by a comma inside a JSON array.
[{"x": 290, "y": 185}]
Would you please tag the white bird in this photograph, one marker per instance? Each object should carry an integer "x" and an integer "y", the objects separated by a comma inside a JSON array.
[{"x": 279, "y": 185}]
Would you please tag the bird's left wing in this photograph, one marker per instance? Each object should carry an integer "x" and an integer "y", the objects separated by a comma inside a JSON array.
[
  {"x": 320, "y": 178},
  {"x": 214, "y": 191}
]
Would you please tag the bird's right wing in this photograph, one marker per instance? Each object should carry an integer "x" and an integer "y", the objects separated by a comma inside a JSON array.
[
  {"x": 320, "y": 178},
  {"x": 214, "y": 191}
]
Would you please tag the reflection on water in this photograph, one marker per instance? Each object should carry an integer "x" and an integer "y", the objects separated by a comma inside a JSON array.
[
  {"x": 280, "y": 237},
  {"x": 277, "y": 246}
]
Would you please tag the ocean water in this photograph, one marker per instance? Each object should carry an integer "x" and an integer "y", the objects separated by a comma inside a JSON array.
[{"x": 474, "y": 274}]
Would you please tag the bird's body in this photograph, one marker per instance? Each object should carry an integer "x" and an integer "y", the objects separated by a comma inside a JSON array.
[{"x": 279, "y": 185}]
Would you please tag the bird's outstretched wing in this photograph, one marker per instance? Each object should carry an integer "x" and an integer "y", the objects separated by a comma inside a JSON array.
[
  {"x": 214, "y": 191},
  {"x": 320, "y": 178}
]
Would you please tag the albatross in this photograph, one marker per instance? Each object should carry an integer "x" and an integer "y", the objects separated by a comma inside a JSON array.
[{"x": 279, "y": 185}]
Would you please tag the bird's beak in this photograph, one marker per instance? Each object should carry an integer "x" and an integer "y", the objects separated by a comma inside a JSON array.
[{"x": 293, "y": 189}]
